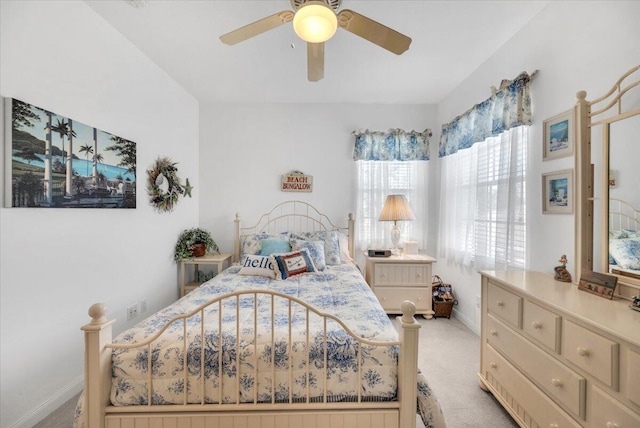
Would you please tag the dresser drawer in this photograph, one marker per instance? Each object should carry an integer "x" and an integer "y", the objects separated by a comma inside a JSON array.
[
  {"x": 505, "y": 304},
  {"x": 399, "y": 275},
  {"x": 538, "y": 406},
  {"x": 591, "y": 352},
  {"x": 391, "y": 298},
  {"x": 633, "y": 376},
  {"x": 542, "y": 325},
  {"x": 562, "y": 383},
  {"x": 606, "y": 412}
]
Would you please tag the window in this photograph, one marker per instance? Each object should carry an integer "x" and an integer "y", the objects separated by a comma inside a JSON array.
[
  {"x": 483, "y": 203},
  {"x": 376, "y": 180}
]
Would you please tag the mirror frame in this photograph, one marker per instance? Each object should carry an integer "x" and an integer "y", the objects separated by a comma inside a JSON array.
[{"x": 601, "y": 111}]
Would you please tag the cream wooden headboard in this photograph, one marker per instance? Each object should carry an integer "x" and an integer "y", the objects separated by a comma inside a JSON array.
[
  {"x": 291, "y": 216},
  {"x": 622, "y": 215}
]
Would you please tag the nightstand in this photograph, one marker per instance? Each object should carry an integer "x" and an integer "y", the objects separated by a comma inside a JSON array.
[
  {"x": 395, "y": 279},
  {"x": 219, "y": 260}
]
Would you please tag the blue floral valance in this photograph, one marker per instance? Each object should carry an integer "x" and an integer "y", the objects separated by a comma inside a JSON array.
[
  {"x": 392, "y": 145},
  {"x": 508, "y": 107}
]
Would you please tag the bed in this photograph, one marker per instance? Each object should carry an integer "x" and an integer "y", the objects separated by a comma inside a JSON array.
[
  {"x": 624, "y": 238},
  {"x": 248, "y": 350}
]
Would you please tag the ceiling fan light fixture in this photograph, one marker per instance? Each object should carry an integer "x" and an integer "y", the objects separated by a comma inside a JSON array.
[{"x": 315, "y": 22}]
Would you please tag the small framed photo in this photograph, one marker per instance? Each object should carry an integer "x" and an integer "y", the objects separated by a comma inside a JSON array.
[
  {"x": 557, "y": 192},
  {"x": 599, "y": 284},
  {"x": 558, "y": 136}
]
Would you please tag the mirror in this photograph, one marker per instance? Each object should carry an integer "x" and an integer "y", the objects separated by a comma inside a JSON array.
[{"x": 608, "y": 184}]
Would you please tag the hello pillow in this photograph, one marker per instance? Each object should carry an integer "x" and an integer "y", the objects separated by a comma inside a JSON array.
[{"x": 258, "y": 266}]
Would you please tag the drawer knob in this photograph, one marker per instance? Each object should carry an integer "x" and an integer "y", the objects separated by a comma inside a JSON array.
[
  {"x": 536, "y": 325},
  {"x": 556, "y": 382},
  {"x": 494, "y": 333},
  {"x": 583, "y": 352},
  {"x": 612, "y": 425},
  {"x": 500, "y": 303},
  {"x": 493, "y": 365},
  {"x": 419, "y": 275}
]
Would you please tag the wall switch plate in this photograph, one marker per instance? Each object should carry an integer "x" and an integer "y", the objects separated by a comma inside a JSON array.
[
  {"x": 143, "y": 305},
  {"x": 132, "y": 312}
]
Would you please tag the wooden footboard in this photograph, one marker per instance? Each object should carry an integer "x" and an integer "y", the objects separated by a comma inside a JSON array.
[{"x": 99, "y": 413}]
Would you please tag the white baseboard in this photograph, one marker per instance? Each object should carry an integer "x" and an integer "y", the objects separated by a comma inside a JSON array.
[
  {"x": 46, "y": 408},
  {"x": 466, "y": 321}
]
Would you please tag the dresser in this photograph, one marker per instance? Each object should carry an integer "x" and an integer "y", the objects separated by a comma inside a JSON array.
[
  {"x": 555, "y": 356},
  {"x": 395, "y": 279}
]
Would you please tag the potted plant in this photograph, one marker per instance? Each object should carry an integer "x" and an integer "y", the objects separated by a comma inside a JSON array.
[{"x": 194, "y": 242}]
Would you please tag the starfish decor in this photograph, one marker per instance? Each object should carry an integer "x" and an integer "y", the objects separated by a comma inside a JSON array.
[{"x": 187, "y": 189}]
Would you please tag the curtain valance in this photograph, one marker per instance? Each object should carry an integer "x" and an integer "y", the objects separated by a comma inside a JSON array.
[
  {"x": 394, "y": 144},
  {"x": 508, "y": 107}
]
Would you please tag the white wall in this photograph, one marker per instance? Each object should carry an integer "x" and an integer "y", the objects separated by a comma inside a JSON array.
[
  {"x": 246, "y": 148},
  {"x": 576, "y": 46},
  {"x": 55, "y": 263}
]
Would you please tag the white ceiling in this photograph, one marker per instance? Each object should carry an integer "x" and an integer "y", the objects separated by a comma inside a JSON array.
[{"x": 450, "y": 40}]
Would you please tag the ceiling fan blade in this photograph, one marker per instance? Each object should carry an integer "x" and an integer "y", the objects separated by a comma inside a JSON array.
[
  {"x": 258, "y": 27},
  {"x": 315, "y": 61},
  {"x": 373, "y": 31}
]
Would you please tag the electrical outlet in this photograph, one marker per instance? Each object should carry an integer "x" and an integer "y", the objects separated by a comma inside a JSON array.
[
  {"x": 132, "y": 312},
  {"x": 478, "y": 301},
  {"x": 143, "y": 305}
]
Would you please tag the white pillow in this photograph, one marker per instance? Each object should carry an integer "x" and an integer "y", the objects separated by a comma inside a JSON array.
[
  {"x": 258, "y": 266},
  {"x": 344, "y": 247}
]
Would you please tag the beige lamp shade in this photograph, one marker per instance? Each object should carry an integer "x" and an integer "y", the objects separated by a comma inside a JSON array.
[{"x": 396, "y": 207}]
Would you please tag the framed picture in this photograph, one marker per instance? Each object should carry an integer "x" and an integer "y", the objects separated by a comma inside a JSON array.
[
  {"x": 557, "y": 192},
  {"x": 53, "y": 161},
  {"x": 558, "y": 136},
  {"x": 599, "y": 284}
]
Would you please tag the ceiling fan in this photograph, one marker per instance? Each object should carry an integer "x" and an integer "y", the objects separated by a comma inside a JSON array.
[{"x": 316, "y": 21}]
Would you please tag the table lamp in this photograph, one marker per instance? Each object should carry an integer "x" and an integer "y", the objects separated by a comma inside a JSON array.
[{"x": 395, "y": 208}]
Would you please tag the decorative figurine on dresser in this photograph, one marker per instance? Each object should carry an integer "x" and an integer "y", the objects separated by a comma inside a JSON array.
[{"x": 562, "y": 274}]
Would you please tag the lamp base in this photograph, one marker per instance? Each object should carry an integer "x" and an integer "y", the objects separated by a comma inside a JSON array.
[{"x": 395, "y": 238}]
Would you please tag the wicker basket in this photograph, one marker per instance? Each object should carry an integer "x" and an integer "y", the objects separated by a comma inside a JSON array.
[{"x": 442, "y": 299}]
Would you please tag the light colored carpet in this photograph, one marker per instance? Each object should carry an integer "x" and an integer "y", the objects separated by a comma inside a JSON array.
[{"x": 449, "y": 357}]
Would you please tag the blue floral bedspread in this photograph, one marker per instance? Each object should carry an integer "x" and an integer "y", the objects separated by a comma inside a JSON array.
[{"x": 246, "y": 364}]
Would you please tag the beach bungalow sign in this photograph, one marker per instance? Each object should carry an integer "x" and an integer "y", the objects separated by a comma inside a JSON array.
[
  {"x": 296, "y": 181},
  {"x": 56, "y": 162}
]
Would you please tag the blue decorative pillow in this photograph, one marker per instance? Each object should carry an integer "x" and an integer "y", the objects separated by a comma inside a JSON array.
[
  {"x": 270, "y": 246},
  {"x": 257, "y": 265},
  {"x": 315, "y": 248},
  {"x": 618, "y": 234},
  {"x": 331, "y": 243},
  {"x": 252, "y": 244},
  {"x": 625, "y": 252},
  {"x": 292, "y": 264}
]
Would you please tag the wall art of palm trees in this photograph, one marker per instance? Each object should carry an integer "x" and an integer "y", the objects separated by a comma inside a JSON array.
[{"x": 57, "y": 162}]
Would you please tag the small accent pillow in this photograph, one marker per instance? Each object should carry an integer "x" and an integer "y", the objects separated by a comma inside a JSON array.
[
  {"x": 291, "y": 264},
  {"x": 271, "y": 246},
  {"x": 625, "y": 252},
  {"x": 315, "y": 248},
  {"x": 331, "y": 243},
  {"x": 252, "y": 244},
  {"x": 257, "y": 265}
]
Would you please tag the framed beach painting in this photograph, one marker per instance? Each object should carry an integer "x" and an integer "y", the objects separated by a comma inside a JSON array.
[
  {"x": 559, "y": 136},
  {"x": 56, "y": 162},
  {"x": 557, "y": 192}
]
